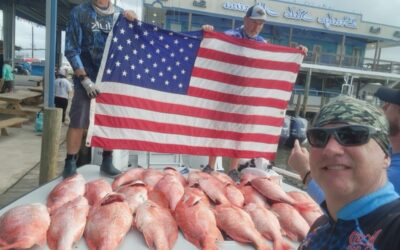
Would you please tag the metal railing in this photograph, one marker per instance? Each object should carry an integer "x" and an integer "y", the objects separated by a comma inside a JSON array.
[{"x": 356, "y": 62}]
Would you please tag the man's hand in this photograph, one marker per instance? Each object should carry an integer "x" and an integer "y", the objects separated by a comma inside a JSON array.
[
  {"x": 303, "y": 48},
  {"x": 130, "y": 15},
  {"x": 91, "y": 90},
  {"x": 299, "y": 159},
  {"x": 207, "y": 27}
]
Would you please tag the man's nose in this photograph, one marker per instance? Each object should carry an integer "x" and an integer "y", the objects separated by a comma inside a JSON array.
[{"x": 333, "y": 146}]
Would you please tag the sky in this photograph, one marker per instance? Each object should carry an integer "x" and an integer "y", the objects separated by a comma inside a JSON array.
[{"x": 379, "y": 11}]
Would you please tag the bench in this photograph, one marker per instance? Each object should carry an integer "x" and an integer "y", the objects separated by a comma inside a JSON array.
[{"x": 11, "y": 122}]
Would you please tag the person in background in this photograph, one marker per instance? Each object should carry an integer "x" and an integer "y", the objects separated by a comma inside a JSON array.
[
  {"x": 253, "y": 23},
  {"x": 8, "y": 77},
  {"x": 349, "y": 157},
  {"x": 299, "y": 156},
  {"x": 85, "y": 39},
  {"x": 62, "y": 89}
]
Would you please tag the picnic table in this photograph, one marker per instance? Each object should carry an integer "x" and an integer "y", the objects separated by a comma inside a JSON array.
[
  {"x": 36, "y": 89},
  {"x": 13, "y": 103}
]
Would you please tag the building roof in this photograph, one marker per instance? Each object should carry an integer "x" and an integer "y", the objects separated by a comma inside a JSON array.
[{"x": 35, "y": 11}]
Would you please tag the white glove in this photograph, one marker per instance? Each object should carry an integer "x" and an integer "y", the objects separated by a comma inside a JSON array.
[{"x": 91, "y": 89}]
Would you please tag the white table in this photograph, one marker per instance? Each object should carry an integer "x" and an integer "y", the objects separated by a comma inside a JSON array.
[{"x": 134, "y": 239}]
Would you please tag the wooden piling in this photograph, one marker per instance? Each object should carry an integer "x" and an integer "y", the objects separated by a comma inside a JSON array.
[{"x": 50, "y": 144}]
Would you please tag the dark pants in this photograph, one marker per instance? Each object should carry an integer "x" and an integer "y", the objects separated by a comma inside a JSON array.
[
  {"x": 8, "y": 86},
  {"x": 62, "y": 103}
]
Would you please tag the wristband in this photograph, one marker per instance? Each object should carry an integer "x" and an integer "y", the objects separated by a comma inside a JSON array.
[{"x": 305, "y": 177}]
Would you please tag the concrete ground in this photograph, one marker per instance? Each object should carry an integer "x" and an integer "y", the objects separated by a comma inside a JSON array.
[
  {"x": 20, "y": 153},
  {"x": 20, "y": 161}
]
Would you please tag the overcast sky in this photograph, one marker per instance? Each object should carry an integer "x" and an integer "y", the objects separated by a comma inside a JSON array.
[{"x": 379, "y": 11}]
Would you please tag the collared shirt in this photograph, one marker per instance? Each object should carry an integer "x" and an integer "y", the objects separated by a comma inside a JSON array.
[{"x": 371, "y": 222}]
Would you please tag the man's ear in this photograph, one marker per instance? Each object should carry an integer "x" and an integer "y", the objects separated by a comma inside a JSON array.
[{"x": 386, "y": 162}]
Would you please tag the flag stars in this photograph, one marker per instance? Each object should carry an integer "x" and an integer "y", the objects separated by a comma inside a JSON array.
[
  {"x": 145, "y": 33},
  {"x": 108, "y": 71},
  {"x": 181, "y": 50},
  {"x": 120, "y": 48},
  {"x": 190, "y": 45},
  {"x": 152, "y": 42},
  {"x": 138, "y": 76},
  {"x": 112, "y": 56},
  {"x": 161, "y": 38},
  {"x": 158, "y": 51},
  {"x": 183, "y": 71},
  {"x": 177, "y": 63},
  {"x": 160, "y": 74},
  {"x": 142, "y": 46},
  {"x": 146, "y": 70},
  {"x": 115, "y": 39},
  {"x": 130, "y": 26},
  {"x": 174, "y": 77},
  {"x": 171, "y": 33},
  {"x": 152, "y": 79},
  {"x": 117, "y": 63},
  {"x": 155, "y": 28},
  {"x": 126, "y": 57},
  {"x": 122, "y": 31},
  {"x": 166, "y": 46},
  {"x": 180, "y": 85},
  {"x": 134, "y": 52},
  {"x": 132, "y": 67},
  {"x": 129, "y": 41},
  {"x": 124, "y": 73},
  {"x": 136, "y": 36},
  {"x": 140, "y": 61},
  {"x": 169, "y": 68},
  {"x": 186, "y": 58},
  {"x": 166, "y": 82},
  {"x": 155, "y": 65},
  {"x": 172, "y": 54},
  {"x": 149, "y": 56},
  {"x": 163, "y": 59},
  {"x": 176, "y": 41}
]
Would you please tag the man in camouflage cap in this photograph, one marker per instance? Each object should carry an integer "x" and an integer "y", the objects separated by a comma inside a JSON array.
[
  {"x": 348, "y": 159},
  {"x": 357, "y": 112}
]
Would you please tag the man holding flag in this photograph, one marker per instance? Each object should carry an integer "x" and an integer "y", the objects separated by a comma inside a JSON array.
[
  {"x": 253, "y": 23},
  {"x": 86, "y": 35}
]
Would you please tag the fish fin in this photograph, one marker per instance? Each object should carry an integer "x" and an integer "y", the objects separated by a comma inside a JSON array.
[
  {"x": 282, "y": 245},
  {"x": 291, "y": 236}
]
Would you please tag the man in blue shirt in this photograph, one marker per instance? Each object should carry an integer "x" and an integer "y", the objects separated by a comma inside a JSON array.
[
  {"x": 85, "y": 39},
  {"x": 253, "y": 23},
  {"x": 349, "y": 157},
  {"x": 299, "y": 157}
]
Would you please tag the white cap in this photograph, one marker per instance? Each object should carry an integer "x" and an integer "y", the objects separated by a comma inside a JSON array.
[{"x": 256, "y": 12}]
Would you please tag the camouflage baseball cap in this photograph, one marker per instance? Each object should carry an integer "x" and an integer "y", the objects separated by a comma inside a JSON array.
[{"x": 352, "y": 111}]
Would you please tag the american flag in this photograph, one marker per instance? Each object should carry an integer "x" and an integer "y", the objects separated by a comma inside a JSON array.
[{"x": 169, "y": 92}]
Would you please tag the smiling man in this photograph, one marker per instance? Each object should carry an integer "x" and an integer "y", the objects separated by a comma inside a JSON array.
[{"x": 349, "y": 157}]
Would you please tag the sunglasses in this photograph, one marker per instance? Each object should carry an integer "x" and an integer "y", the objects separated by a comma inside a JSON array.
[{"x": 350, "y": 135}]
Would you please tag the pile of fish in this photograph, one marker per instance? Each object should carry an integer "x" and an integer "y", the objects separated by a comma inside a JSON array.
[{"x": 207, "y": 208}]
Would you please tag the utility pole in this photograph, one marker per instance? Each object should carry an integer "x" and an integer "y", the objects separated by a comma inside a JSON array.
[{"x": 32, "y": 42}]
